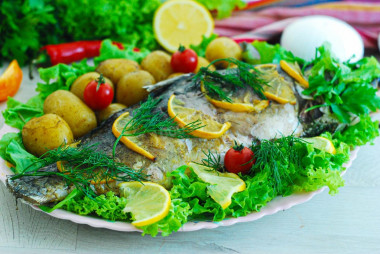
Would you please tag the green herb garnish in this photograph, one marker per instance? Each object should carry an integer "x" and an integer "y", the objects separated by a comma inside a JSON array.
[
  {"x": 212, "y": 160},
  {"x": 220, "y": 84},
  {"x": 146, "y": 119},
  {"x": 277, "y": 156},
  {"x": 81, "y": 166}
]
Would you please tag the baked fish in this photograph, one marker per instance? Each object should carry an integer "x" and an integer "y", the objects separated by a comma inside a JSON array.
[{"x": 273, "y": 121}]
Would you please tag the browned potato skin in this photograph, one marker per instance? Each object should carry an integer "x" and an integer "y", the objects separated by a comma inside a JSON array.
[
  {"x": 223, "y": 47},
  {"x": 115, "y": 69},
  {"x": 109, "y": 111},
  {"x": 158, "y": 64},
  {"x": 130, "y": 87},
  {"x": 82, "y": 81},
  {"x": 45, "y": 133},
  {"x": 203, "y": 62},
  {"x": 78, "y": 115}
]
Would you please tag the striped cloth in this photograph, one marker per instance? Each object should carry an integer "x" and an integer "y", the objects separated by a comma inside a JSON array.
[{"x": 269, "y": 23}]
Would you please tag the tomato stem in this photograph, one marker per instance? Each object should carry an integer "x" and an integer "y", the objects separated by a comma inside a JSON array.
[
  {"x": 100, "y": 81},
  {"x": 181, "y": 48},
  {"x": 237, "y": 147}
]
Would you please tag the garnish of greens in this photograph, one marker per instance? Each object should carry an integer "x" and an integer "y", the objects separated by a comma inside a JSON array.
[
  {"x": 220, "y": 85},
  {"x": 82, "y": 165},
  {"x": 212, "y": 160},
  {"x": 147, "y": 119}
]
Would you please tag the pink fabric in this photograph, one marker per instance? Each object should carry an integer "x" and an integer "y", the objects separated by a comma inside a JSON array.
[{"x": 268, "y": 23}]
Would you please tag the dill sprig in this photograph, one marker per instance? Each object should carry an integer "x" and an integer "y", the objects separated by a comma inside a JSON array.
[
  {"x": 219, "y": 85},
  {"x": 146, "y": 119},
  {"x": 81, "y": 166},
  {"x": 277, "y": 155},
  {"x": 212, "y": 160}
]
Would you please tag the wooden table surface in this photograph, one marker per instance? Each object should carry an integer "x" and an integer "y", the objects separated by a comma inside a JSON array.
[{"x": 348, "y": 222}]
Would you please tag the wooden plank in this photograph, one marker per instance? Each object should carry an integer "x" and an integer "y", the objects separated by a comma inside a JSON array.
[{"x": 22, "y": 226}]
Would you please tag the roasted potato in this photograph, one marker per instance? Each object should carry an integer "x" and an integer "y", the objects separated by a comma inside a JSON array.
[
  {"x": 45, "y": 133},
  {"x": 82, "y": 81},
  {"x": 78, "y": 115},
  {"x": 157, "y": 63},
  {"x": 223, "y": 47},
  {"x": 109, "y": 111},
  {"x": 202, "y": 62},
  {"x": 130, "y": 87},
  {"x": 114, "y": 69}
]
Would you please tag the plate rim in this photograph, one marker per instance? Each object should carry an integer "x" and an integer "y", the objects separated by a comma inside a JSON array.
[{"x": 277, "y": 204}]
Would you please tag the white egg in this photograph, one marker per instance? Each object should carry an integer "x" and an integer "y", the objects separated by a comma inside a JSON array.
[{"x": 303, "y": 36}]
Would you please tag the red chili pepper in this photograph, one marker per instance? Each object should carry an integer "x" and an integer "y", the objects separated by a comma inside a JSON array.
[{"x": 73, "y": 51}]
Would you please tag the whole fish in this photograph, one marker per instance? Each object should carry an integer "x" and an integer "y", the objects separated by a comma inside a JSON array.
[{"x": 273, "y": 121}]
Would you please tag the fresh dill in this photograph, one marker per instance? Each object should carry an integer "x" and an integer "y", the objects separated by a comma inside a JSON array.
[
  {"x": 82, "y": 167},
  {"x": 279, "y": 156},
  {"x": 213, "y": 161},
  {"x": 221, "y": 84},
  {"x": 146, "y": 119}
]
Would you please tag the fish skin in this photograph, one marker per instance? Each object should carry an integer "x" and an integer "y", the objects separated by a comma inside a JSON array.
[{"x": 43, "y": 190}]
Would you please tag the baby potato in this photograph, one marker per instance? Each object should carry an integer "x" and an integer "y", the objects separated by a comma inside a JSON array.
[
  {"x": 130, "y": 87},
  {"x": 45, "y": 133},
  {"x": 75, "y": 112},
  {"x": 82, "y": 81},
  {"x": 109, "y": 111},
  {"x": 114, "y": 69},
  {"x": 223, "y": 47},
  {"x": 158, "y": 64},
  {"x": 202, "y": 62}
]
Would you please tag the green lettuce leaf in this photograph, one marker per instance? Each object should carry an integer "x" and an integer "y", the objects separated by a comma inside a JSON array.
[
  {"x": 268, "y": 53},
  {"x": 359, "y": 134},
  {"x": 109, "y": 51},
  {"x": 18, "y": 113},
  {"x": 200, "y": 49},
  {"x": 61, "y": 77},
  {"x": 109, "y": 206},
  {"x": 13, "y": 151},
  {"x": 223, "y": 7},
  {"x": 178, "y": 215}
]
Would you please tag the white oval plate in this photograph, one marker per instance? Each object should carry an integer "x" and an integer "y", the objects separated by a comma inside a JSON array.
[{"x": 278, "y": 204}]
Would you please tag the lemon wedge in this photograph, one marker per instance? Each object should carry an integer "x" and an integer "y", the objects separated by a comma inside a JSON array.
[
  {"x": 222, "y": 185},
  {"x": 148, "y": 202},
  {"x": 278, "y": 89},
  {"x": 181, "y": 22},
  {"x": 184, "y": 116},
  {"x": 130, "y": 141},
  {"x": 256, "y": 106},
  {"x": 294, "y": 71},
  {"x": 322, "y": 144}
]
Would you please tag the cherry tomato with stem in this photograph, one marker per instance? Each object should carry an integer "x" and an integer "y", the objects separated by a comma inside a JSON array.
[
  {"x": 184, "y": 60},
  {"x": 239, "y": 159},
  {"x": 98, "y": 94}
]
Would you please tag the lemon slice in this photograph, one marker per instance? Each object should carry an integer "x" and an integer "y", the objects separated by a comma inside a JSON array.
[
  {"x": 223, "y": 185},
  {"x": 131, "y": 141},
  {"x": 278, "y": 89},
  {"x": 322, "y": 143},
  {"x": 294, "y": 71},
  {"x": 148, "y": 202},
  {"x": 257, "y": 106},
  {"x": 181, "y": 22},
  {"x": 184, "y": 116}
]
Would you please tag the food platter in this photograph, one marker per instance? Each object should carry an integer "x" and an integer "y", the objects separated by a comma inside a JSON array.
[{"x": 276, "y": 205}]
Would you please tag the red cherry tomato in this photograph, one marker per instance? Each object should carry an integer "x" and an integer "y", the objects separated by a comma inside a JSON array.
[
  {"x": 184, "y": 60},
  {"x": 239, "y": 159},
  {"x": 98, "y": 95}
]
